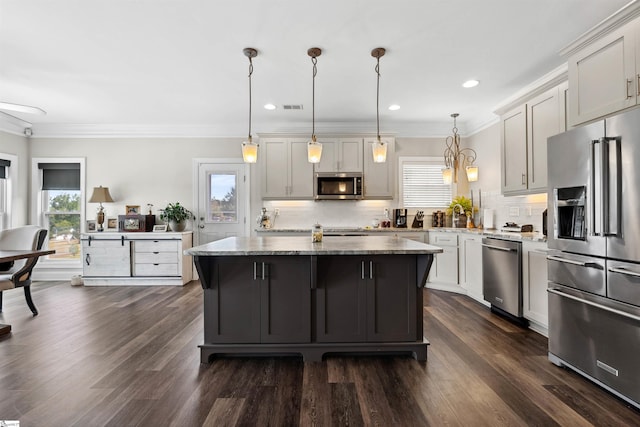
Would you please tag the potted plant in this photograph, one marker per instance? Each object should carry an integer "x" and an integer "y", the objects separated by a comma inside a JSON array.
[
  {"x": 176, "y": 215},
  {"x": 461, "y": 206}
]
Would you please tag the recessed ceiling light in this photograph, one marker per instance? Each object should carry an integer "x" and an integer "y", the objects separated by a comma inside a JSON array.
[
  {"x": 394, "y": 107},
  {"x": 470, "y": 83},
  {"x": 269, "y": 107}
]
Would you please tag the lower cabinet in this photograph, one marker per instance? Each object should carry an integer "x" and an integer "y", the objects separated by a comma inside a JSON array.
[
  {"x": 470, "y": 265},
  {"x": 534, "y": 284},
  {"x": 259, "y": 300},
  {"x": 366, "y": 299},
  {"x": 445, "y": 266},
  {"x": 106, "y": 258}
]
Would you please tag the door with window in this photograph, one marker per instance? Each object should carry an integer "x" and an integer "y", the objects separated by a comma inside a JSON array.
[{"x": 223, "y": 201}]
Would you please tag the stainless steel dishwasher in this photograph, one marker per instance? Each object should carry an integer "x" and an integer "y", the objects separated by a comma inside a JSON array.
[{"x": 502, "y": 277}]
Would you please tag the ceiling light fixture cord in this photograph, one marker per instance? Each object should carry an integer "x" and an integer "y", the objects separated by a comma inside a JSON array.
[
  {"x": 378, "y": 98},
  {"x": 314, "y": 61},
  {"x": 250, "y": 73}
]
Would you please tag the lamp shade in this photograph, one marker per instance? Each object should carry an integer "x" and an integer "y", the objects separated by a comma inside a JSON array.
[
  {"x": 101, "y": 195},
  {"x": 249, "y": 151},
  {"x": 379, "y": 149},
  {"x": 447, "y": 175},
  {"x": 472, "y": 173},
  {"x": 314, "y": 151}
]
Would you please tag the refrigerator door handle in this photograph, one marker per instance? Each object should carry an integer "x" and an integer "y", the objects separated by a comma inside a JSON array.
[
  {"x": 594, "y": 304},
  {"x": 597, "y": 222},
  {"x": 612, "y": 182},
  {"x": 621, "y": 270}
]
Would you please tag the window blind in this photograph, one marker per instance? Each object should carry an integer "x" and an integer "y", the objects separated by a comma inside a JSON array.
[
  {"x": 422, "y": 186},
  {"x": 4, "y": 164},
  {"x": 60, "y": 176}
]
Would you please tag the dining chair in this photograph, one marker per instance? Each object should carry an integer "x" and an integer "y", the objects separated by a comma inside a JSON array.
[{"x": 18, "y": 273}]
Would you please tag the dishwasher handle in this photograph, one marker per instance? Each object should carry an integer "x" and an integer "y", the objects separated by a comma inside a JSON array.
[{"x": 500, "y": 248}]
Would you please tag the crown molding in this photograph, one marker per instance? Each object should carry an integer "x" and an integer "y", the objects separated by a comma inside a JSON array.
[
  {"x": 535, "y": 88},
  {"x": 624, "y": 15},
  {"x": 401, "y": 129}
]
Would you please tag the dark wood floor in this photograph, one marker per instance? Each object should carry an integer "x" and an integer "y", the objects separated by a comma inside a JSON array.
[{"x": 128, "y": 356}]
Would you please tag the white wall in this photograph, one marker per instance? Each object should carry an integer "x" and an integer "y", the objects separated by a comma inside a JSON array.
[{"x": 18, "y": 146}]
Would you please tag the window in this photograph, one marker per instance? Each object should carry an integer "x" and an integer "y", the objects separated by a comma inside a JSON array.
[
  {"x": 8, "y": 176},
  {"x": 60, "y": 201},
  {"x": 421, "y": 184},
  {"x": 222, "y": 206}
]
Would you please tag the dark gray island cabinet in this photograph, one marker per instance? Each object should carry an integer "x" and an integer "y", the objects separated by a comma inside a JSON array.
[{"x": 287, "y": 295}]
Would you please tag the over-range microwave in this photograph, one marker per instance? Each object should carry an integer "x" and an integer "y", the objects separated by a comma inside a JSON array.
[{"x": 337, "y": 185}]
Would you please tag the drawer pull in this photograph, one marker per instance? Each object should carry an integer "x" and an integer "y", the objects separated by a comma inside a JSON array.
[
  {"x": 629, "y": 81},
  {"x": 570, "y": 261},
  {"x": 594, "y": 304},
  {"x": 622, "y": 270},
  {"x": 155, "y": 264},
  {"x": 156, "y": 253}
]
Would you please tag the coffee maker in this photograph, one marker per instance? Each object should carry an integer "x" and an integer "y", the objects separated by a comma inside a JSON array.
[{"x": 400, "y": 218}]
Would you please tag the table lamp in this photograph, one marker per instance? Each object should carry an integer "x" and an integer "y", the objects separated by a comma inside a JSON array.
[{"x": 100, "y": 195}]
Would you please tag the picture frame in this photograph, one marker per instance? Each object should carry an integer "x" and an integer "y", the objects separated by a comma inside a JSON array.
[
  {"x": 160, "y": 228},
  {"x": 92, "y": 226},
  {"x": 132, "y": 210},
  {"x": 111, "y": 223}
]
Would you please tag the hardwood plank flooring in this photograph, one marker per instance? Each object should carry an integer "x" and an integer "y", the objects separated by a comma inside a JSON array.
[{"x": 128, "y": 356}]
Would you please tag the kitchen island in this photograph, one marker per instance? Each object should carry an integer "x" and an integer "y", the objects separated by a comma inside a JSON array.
[{"x": 287, "y": 295}]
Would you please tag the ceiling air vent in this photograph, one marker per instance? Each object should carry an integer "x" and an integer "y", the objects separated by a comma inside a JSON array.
[{"x": 292, "y": 106}]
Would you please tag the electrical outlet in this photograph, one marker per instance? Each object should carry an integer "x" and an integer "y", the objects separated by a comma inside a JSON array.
[
  {"x": 514, "y": 211},
  {"x": 276, "y": 211}
]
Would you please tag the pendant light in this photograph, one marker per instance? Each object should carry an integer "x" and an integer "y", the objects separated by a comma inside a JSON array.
[
  {"x": 454, "y": 157},
  {"x": 379, "y": 147},
  {"x": 314, "y": 148},
  {"x": 249, "y": 148}
]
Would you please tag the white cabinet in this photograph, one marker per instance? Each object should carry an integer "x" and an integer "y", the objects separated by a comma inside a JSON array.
[
  {"x": 379, "y": 178},
  {"x": 470, "y": 265},
  {"x": 418, "y": 236},
  {"x": 444, "y": 270},
  {"x": 341, "y": 155},
  {"x": 285, "y": 171},
  {"x": 106, "y": 258},
  {"x": 136, "y": 258},
  {"x": 604, "y": 75},
  {"x": 534, "y": 285},
  {"x": 524, "y": 133}
]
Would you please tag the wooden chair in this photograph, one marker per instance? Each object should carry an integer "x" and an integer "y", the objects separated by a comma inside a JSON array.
[{"x": 18, "y": 273}]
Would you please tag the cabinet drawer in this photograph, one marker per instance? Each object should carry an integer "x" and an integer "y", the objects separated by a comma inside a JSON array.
[
  {"x": 156, "y": 246},
  {"x": 155, "y": 269},
  {"x": 445, "y": 239},
  {"x": 155, "y": 258}
]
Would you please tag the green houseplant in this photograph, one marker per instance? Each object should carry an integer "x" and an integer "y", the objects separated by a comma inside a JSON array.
[
  {"x": 462, "y": 206},
  {"x": 176, "y": 215}
]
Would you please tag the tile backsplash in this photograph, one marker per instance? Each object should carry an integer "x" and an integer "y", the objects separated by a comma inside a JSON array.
[{"x": 304, "y": 213}]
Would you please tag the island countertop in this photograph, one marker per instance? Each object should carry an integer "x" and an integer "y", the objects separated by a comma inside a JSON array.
[{"x": 330, "y": 245}]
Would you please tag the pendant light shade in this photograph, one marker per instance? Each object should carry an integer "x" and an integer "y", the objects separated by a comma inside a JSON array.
[
  {"x": 472, "y": 173},
  {"x": 447, "y": 175},
  {"x": 314, "y": 148},
  {"x": 249, "y": 148},
  {"x": 379, "y": 147}
]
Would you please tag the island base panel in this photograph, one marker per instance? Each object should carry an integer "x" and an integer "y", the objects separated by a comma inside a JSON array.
[{"x": 315, "y": 352}]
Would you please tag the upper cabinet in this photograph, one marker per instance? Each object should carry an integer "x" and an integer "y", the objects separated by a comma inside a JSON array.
[
  {"x": 524, "y": 133},
  {"x": 340, "y": 155},
  {"x": 285, "y": 171},
  {"x": 604, "y": 76},
  {"x": 379, "y": 182}
]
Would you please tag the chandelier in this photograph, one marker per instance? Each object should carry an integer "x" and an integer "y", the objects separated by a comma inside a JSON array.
[{"x": 454, "y": 158}]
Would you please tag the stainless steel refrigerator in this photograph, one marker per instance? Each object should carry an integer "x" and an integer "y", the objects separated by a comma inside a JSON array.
[{"x": 594, "y": 258}]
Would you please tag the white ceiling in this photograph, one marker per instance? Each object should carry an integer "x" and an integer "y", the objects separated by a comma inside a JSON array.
[{"x": 176, "y": 67}]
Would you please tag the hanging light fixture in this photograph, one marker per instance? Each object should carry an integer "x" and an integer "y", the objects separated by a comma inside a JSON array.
[
  {"x": 379, "y": 147},
  {"x": 454, "y": 157},
  {"x": 249, "y": 148},
  {"x": 314, "y": 148}
]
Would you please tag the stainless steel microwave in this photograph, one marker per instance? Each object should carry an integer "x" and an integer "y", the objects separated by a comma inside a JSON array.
[{"x": 337, "y": 185}]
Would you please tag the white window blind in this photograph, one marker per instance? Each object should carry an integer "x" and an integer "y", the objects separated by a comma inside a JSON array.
[{"x": 422, "y": 185}]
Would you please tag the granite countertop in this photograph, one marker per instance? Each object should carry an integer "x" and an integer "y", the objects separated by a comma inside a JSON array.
[
  {"x": 342, "y": 230},
  {"x": 508, "y": 235},
  {"x": 330, "y": 245}
]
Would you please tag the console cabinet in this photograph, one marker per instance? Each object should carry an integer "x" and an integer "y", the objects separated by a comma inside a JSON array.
[{"x": 136, "y": 258}]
